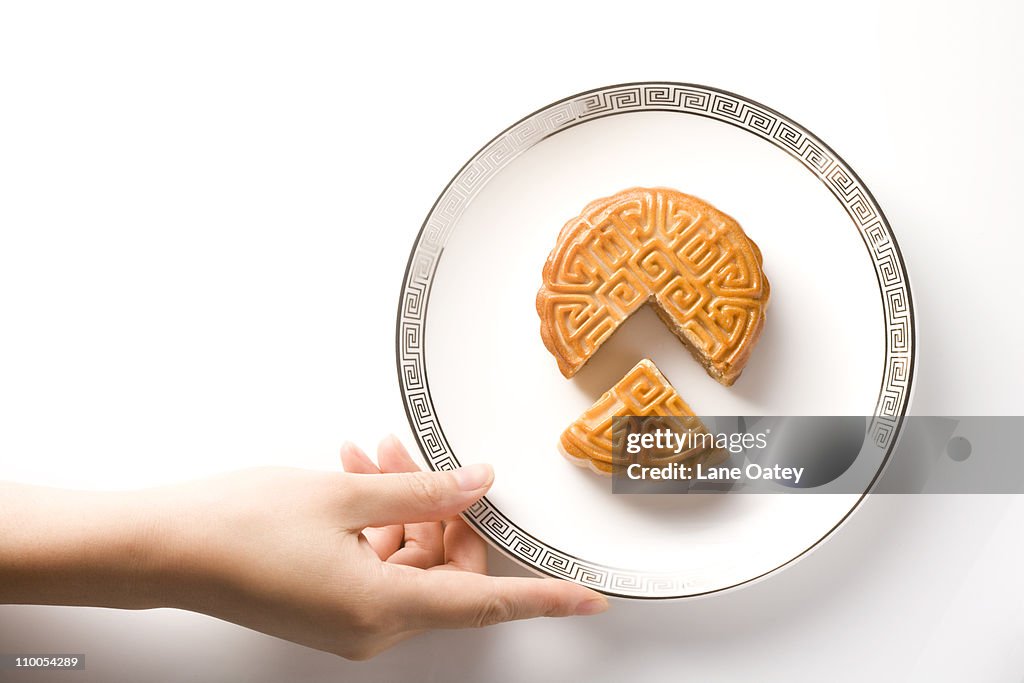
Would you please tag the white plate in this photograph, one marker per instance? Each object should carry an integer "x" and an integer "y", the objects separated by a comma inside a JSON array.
[{"x": 479, "y": 386}]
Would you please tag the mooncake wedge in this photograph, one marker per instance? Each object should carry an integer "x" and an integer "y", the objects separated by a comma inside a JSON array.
[{"x": 647, "y": 401}]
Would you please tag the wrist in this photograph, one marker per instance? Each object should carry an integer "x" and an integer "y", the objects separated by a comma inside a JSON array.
[{"x": 176, "y": 541}]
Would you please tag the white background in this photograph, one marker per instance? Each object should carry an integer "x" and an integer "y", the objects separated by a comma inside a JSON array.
[{"x": 205, "y": 212}]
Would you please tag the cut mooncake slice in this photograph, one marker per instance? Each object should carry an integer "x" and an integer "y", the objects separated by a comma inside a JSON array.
[
  {"x": 650, "y": 402},
  {"x": 692, "y": 262}
]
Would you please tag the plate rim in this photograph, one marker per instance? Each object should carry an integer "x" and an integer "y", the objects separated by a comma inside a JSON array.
[{"x": 814, "y": 154}]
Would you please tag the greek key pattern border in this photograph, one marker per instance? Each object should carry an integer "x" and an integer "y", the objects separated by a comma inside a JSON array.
[{"x": 818, "y": 158}]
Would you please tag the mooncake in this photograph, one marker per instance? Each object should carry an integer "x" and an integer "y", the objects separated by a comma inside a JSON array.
[{"x": 692, "y": 262}]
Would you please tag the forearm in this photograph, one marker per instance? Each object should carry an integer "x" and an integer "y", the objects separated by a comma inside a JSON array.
[{"x": 61, "y": 547}]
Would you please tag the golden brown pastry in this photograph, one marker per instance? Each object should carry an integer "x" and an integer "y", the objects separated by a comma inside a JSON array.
[
  {"x": 691, "y": 261},
  {"x": 643, "y": 394}
]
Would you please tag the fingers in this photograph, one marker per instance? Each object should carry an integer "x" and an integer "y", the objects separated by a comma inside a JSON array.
[
  {"x": 354, "y": 460},
  {"x": 463, "y": 547},
  {"x": 384, "y": 541},
  {"x": 393, "y": 456},
  {"x": 419, "y": 544},
  {"x": 424, "y": 544},
  {"x": 462, "y": 599},
  {"x": 407, "y": 497},
  {"x": 418, "y": 554}
]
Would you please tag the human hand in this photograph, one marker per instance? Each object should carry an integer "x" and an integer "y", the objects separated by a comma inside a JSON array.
[{"x": 350, "y": 563}]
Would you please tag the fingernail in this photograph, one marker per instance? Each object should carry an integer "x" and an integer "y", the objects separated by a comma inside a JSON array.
[
  {"x": 473, "y": 477},
  {"x": 591, "y": 606}
]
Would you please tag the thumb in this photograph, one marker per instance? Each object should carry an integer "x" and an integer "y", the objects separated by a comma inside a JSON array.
[
  {"x": 384, "y": 499},
  {"x": 456, "y": 599}
]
